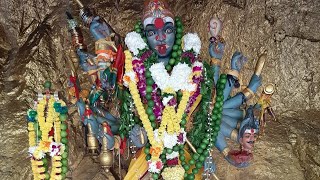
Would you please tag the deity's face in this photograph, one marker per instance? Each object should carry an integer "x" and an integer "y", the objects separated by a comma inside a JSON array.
[
  {"x": 161, "y": 37},
  {"x": 248, "y": 139},
  {"x": 215, "y": 26}
]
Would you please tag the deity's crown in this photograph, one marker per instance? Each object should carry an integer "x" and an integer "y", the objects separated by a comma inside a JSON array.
[{"x": 155, "y": 10}]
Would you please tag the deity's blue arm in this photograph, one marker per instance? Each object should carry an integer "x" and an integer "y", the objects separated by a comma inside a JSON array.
[
  {"x": 237, "y": 61},
  {"x": 216, "y": 50},
  {"x": 233, "y": 113},
  {"x": 221, "y": 143},
  {"x": 99, "y": 29},
  {"x": 226, "y": 128},
  {"x": 234, "y": 102},
  {"x": 84, "y": 60},
  {"x": 85, "y": 57},
  {"x": 231, "y": 121},
  {"x": 237, "y": 100}
]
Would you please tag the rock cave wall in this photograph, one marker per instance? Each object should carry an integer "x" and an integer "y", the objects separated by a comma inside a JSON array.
[{"x": 34, "y": 40}]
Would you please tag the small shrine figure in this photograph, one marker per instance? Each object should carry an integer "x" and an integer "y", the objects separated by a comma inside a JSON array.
[{"x": 264, "y": 103}]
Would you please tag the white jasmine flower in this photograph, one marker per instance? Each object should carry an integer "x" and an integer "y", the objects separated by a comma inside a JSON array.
[
  {"x": 155, "y": 166},
  {"x": 172, "y": 155},
  {"x": 32, "y": 149},
  {"x": 128, "y": 77},
  {"x": 160, "y": 75},
  {"x": 191, "y": 41},
  {"x": 180, "y": 77},
  {"x": 135, "y": 42},
  {"x": 156, "y": 135},
  {"x": 169, "y": 140}
]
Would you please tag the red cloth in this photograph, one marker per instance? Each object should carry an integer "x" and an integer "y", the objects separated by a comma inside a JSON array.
[
  {"x": 119, "y": 64},
  {"x": 123, "y": 145}
]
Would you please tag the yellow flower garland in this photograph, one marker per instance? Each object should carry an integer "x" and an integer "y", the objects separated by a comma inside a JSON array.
[
  {"x": 56, "y": 167},
  {"x": 45, "y": 124},
  {"x": 181, "y": 108},
  {"x": 170, "y": 119},
  {"x": 32, "y": 134}
]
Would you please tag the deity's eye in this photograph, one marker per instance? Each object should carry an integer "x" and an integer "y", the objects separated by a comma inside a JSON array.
[
  {"x": 150, "y": 33},
  {"x": 169, "y": 30}
]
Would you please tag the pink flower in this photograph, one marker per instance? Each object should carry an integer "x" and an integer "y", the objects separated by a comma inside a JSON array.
[{"x": 159, "y": 165}]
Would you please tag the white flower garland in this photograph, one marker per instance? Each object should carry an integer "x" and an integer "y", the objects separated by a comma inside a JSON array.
[
  {"x": 155, "y": 166},
  {"x": 191, "y": 41},
  {"x": 169, "y": 140},
  {"x": 135, "y": 42},
  {"x": 128, "y": 77},
  {"x": 55, "y": 149},
  {"x": 180, "y": 78},
  {"x": 172, "y": 155}
]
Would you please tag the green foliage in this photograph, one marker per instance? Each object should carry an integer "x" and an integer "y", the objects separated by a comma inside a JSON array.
[
  {"x": 200, "y": 119},
  {"x": 126, "y": 119}
]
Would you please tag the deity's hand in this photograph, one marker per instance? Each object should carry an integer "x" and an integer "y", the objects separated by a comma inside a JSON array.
[
  {"x": 216, "y": 49},
  {"x": 255, "y": 83},
  {"x": 99, "y": 28},
  {"x": 135, "y": 136},
  {"x": 237, "y": 61}
]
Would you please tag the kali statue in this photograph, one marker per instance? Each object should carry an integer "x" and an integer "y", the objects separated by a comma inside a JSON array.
[{"x": 175, "y": 108}]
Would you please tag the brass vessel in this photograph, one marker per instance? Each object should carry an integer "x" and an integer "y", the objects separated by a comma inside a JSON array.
[
  {"x": 105, "y": 157},
  {"x": 92, "y": 141}
]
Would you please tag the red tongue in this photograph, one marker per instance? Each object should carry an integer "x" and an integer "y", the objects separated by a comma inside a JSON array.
[{"x": 162, "y": 49}]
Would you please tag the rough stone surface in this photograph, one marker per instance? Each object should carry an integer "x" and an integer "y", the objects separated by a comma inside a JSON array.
[{"x": 34, "y": 37}]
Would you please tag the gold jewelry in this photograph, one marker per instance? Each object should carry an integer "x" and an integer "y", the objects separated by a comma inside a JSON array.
[
  {"x": 269, "y": 88},
  {"x": 225, "y": 152},
  {"x": 215, "y": 62},
  {"x": 234, "y": 73},
  {"x": 234, "y": 135},
  {"x": 248, "y": 93}
]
